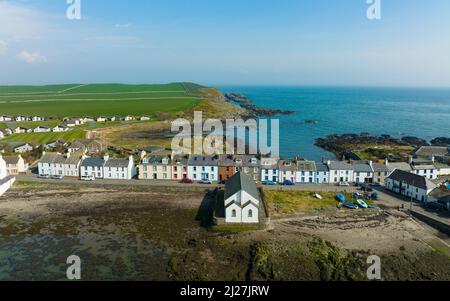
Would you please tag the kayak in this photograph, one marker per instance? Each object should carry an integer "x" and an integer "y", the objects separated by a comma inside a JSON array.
[
  {"x": 350, "y": 205},
  {"x": 362, "y": 204},
  {"x": 341, "y": 198},
  {"x": 318, "y": 196}
]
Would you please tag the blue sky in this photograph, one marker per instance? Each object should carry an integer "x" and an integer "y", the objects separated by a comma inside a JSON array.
[{"x": 218, "y": 42}]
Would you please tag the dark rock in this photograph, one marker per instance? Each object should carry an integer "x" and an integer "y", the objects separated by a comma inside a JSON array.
[
  {"x": 253, "y": 111},
  {"x": 441, "y": 141}
]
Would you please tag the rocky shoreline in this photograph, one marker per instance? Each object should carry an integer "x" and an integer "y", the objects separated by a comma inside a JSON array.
[
  {"x": 252, "y": 110},
  {"x": 344, "y": 145}
]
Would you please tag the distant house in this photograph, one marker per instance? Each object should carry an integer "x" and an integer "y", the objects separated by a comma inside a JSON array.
[
  {"x": 22, "y": 147},
  {"x": 129, "y": 118},
  {"x": 203, "y": 168},
  {"x": 5, "y": 118},
  {"x": 119, "y": 169},
  {"x": 322, "y": 173},
  {"x": 74, "y": 122},
  {"x": 93, "y": 167},
  {"x": 392, "y": 166},
  {"x": 179, "y": 167},
  {"x": 306, "y": 172},
  {"x": 287, "y": 171},
  {"x": 410, "y": 185},
  {"x": 340, "y": 171},
  {"x": 269, "y": 169},
  {"x": 155, "y": 168},
  {"x": 20, "y": 118},
  {"x": 7, "y": 131},
  {"x": 242, "y": 200},
  {"x": 16, "y": 165},
  {"x": 145, "y": 118},
  {"x": 442, "y": 169},
  {"x": 362, "y": 171},
  {"x": 22, "y": 130},
  {"x": 432, "y": 151},
  {"x": 88, "y": 119},
  {"x": 41, "y": 129},
  {"x": 102, "y": 119},
  {"x": 424, "y": 167},
  {"x": 60, "y": 129},
  {"x": 2, "y": 134},
  {"x": 61, "y": 143},
  {"x": 90, "y": 146},
  {"x": 37, "y": 118}
]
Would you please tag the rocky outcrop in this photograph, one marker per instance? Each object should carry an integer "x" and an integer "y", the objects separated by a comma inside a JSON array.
[
  {"x": 441, "y": 141},
  {"x": 252, "y": 110}
]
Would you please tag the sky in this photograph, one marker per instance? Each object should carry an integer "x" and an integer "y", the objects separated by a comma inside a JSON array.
[{"x": 226, "y": 42}]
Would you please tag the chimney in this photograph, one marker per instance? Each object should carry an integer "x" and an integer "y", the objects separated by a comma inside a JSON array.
[
  {"x": 328, "y": 162},
  {"x": 433, "y": 158},
  {"x": 68, "y": 155},
  {"x": 386, "y": 162},
  {"x": 371, "y": 163},
  {"x": 106, "y": 157}
]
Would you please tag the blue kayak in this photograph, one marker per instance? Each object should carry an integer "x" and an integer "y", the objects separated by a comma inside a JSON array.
[
  {"x": 341, "y": 198},
  {"x": 350, "y": 205}
]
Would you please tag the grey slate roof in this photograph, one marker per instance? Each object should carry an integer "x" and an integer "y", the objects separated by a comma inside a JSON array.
[
  {"x": 412, "y": 179},
  {"x": 361, "y": 167},
  {"x": 96, "y": 162},
  {"x": 287, "y": 165},
  {"x": 203, "y": 161},
  {"x": 48, "y": 158},
  {"x": 306, "y": 165},
  {"x": 427, "y": 151},
  {"x": 117, "y": 162},
  {"x": 399, "y": 165},
  {"x": 246, "y": 161},
  {"x": 340, "y": 165},
  {"x": 240, "y": 181},
  {"x": 321, "y": 167},
  {"x": 379, "y": 167},
  {"x": 11, "y": 160}
]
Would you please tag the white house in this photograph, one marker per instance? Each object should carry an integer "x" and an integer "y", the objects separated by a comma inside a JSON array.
[
  {"x": 59, "y": 165},
  {"x": 60, "y": 129},
  {"x": 5, "y": 181},
  {"x": 425, "y": 168},
  {"x": 41, "y": 129},
  {"x": 340, "y": 171},
  {"x": 37, "y": 118},
  {"x": 362, "y": 172},
  {"x": 74, "y": 122},
  {"x": 5, "y": 118},
  {"x": 119, "y": 169},
  {"x": 322, "y": 173},
  {"x": 442, "y": 169},
  {"x": 20, "y": 118},
  {"x": 102, "y": 119},
  {"x": 306, "y": 172},
  {"x": 145, "y": 118},
  {"x": 129, "y": 118},
  {"x": 242, "y": 200},
  {"x": 269, "y": 169},
  {"x": 410, "y": 185},
  {"x": 203, "y": 168},
  {"x": 22, "y": 130},
  {"x": 287, "y": 170},
  {"x": 2, "y": 134},
  {"x": 93, "y": 167},
  {"x": 23, "y": 148}
]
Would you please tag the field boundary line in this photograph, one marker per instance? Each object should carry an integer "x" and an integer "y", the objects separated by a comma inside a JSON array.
[
  {"x": 55, "y": 94},
  {"x": 72, "y": 88},
  {"x": 96, "y": 99}
]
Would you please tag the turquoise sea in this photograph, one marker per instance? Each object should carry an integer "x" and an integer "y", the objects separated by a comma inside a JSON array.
[{"x": 424, "y": 113}]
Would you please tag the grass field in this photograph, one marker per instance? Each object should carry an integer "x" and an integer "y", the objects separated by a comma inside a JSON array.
[
  {"x": 96, "y": 99},
  {"x": 46, "y": 137}
]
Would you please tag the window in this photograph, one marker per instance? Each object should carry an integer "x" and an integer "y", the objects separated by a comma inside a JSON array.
[
  {"x": 250, "y": 213},
  {"x": 233, "y": 213}
]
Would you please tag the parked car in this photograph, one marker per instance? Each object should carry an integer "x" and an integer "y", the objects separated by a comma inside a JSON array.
[
  {"x": 187, "y": 181},
  {"x": 44, "y": 176},
  {"x": 288, "y": 183},
  {"x": 57, "y": 177},
  {"x": 207, "y": 182},
  {"x": 269, "y": 183},
  {"x": 343, "y": 184},
  {"x": 87, "y": 178}
]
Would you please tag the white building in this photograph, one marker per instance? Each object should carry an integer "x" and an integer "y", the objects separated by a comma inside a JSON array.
[
  {"x": 425, "y": 170},
  {"x": 59, "y": 165},
  {"x": 5, "y": 118},
  {"x": 287, "y": 171},
  {"x": 203, "y": 168},
  {"x": 269, "y": 170},
  {"x": 340, "y": 171},
  {"x": 37, "y": 118},
  {"x": 60, "y": 129},
  {"x": 322, "y": 173},
  {"x": 410, "y": 185},
  {"x": 306, "y": 172},
  {"x": 119, "y": 169},
  {"x": 102, "y": 119},
  {"x": 20, "y": 118},
  {"x": 23, "y": 148},
  {"x": 242, "y": 200},
  {"x": 41, "y": 129},
  {"x": 5, "y": 181},
  {"x": 362, "y": 172},
  {"x": 93, "y": 167}
]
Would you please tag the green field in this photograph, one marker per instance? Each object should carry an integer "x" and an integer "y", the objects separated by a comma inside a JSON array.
[
  {"x": 46, "y": 137},
  {"x": 95, "y": 100}
]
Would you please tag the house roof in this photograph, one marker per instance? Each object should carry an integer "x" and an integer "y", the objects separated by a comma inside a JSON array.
[
  {"x": 97, "y": 162},
  {"x": 361, "y": 167},
  {"x": 321, "y": 167},
  {"x": 12, "y": 159},
  {"x": 423, "y": 167},
  {"x": 412, "y": 179},
  {"x": 154, "y": 160},
  {"x": 427, "y": 151},
  {"x": 287, "y": 165},
  {"x": 117, "y": 162},
  {"x": 203, "y": 161},
  {"x": 379, "y": 167},
  {"x": 246, "y": 161},
  {"x": 399, "y": 165},
  {"x": 240, "y": 181},
  {"x": 340, "y": 165},
  {"x": 306, "y": 165},
  {"x": 48, "y": 158}
]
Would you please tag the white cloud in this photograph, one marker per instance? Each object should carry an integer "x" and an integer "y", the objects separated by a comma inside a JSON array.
[
  {"x": 31, "y": 58},
  {"x": 3, "y": 47}
]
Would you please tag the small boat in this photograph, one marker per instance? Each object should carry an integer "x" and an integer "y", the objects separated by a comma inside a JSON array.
[
  {"x": 341, "y": 198},
  {"x": 374, "y": 207},
  {"x": 350, "y": 205},
  {"x": 362, "y": 204},
  {"x": 318, "y": 196}
]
